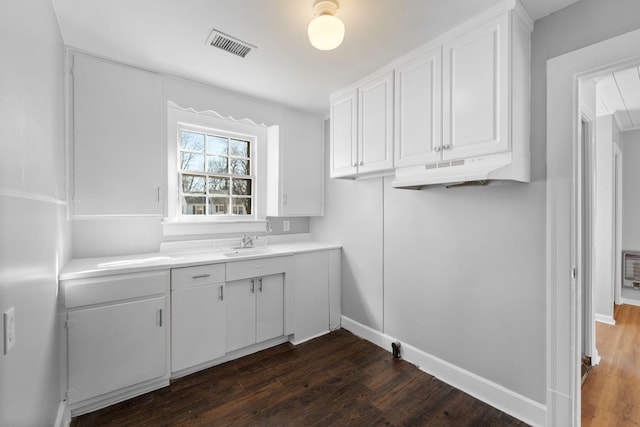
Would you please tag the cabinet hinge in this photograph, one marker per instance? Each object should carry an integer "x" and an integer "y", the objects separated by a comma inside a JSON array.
[{"x": 70, "y": 323}]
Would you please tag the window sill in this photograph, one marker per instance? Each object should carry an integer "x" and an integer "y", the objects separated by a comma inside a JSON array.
[{"x": 192, "y": 228}]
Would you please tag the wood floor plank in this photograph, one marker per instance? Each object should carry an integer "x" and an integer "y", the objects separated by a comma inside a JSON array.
[
  {"x": 611, "y": 393},
  {"x": 337, "y": 380}
]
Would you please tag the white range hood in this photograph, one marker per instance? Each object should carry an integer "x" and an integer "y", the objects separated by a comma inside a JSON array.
[{"x": 502, "y": 166}]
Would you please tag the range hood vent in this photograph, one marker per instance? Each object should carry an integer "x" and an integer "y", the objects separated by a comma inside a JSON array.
[
  {"x": 478, "y": 170},
  {"x": 229, "y": 44}
]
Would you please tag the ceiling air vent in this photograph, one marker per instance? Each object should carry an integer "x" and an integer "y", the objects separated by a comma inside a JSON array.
[{"x": 230, "y": 44}]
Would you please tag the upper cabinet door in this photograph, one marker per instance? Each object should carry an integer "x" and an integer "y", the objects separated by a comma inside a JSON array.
[
  {"x": 344, "y": 134},
  {"x": 375, "y": 124},
  {"x": 476, "y": 84},
  {"x": 418, "y": 107},
  {"x": 117, "y": 139},
  {"x": 302, "y": 163}
]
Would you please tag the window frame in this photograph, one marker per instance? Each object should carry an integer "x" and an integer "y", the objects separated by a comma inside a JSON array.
[{"x": 251, "y": 139}]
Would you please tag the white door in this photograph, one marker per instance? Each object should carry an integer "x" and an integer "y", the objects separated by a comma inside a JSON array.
[
  {"x": 311, "y": 277},
  {"x": 476, "y": 97},
  {"x": 115, "y": 346},
  {"x": 418, "y": 110},
  {"x": 270, "y": 307},
  {"x": 241, "y": 313},
  {"x": 375, "y": 124},
  {"x": 117, "y": 139},
  {"x": 198, "y": 326},
  {"x": 302, "y": 165},
  {"x": 343, "y": 138}
]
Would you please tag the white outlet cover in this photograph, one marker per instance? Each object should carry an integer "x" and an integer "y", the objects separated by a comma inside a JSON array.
[
  {"x": 286, "y": 225},
  {"x": 9, "y": 318}
]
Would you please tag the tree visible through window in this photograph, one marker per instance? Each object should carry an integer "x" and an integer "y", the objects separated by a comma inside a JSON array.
[{"x": 215, "y": 174}]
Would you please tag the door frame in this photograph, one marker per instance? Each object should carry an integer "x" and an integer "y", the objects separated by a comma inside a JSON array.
[{"x": 564, "y": 76}]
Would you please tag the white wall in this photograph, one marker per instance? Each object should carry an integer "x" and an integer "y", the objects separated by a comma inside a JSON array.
[
  {"x": 94, "y": 237},
  {"x": 607, "y": 135},
  {"x": 631, "y": 191},
  {"x": 34, "y": 231},
  {"x": 464, "y": 269}
]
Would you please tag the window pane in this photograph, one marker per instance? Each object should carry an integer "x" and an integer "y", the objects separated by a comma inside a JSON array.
[
  {"x": 191, "y": 140},
  {"x": 192, "y": 184},
  {"x": 217, "y": 164},
  {"x": 217, "y": 144},
  {"x": 240, "y": 167},
  {"x": 239, "y": 148},
  {"x": 242, "y": 206},
  {"x": 242, "y": 187},
  {"x": 219, "y": 185},
  {"x": 191, "y": 162},
  {"x": 193, "y": 205},
  {"x": 218, "y": 205}
]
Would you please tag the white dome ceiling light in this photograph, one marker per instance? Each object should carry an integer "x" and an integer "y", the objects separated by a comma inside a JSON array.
[{"x": 326, "y": 31}]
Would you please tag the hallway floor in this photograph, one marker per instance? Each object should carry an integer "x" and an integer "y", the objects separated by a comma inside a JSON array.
[{"x": 611, "y": 393}]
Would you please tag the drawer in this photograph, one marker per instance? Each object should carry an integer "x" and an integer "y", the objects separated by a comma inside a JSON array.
[
  {"x": 199, "y": 275},
  {"x": 100, "y": 290},
  {"x": 258, "y": 267}
]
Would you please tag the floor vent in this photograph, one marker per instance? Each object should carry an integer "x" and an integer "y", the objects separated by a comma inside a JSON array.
[{"x": 229, "y": 44}]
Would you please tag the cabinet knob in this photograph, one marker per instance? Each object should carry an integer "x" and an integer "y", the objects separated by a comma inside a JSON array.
[
  {"x": 446, "y": 147},
  {"x": 355, "y": 164},
  {"x": 437, "y": 148},
  {"x": 361, "y": 163}
]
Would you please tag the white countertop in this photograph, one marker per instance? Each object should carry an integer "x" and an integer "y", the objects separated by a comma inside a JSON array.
[{"x": 180, "y": 255}]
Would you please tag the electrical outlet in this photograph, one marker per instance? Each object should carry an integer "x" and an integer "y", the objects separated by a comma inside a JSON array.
[
  {"x": 9, "y": 329},
  {"x": 286, "y": 226}
]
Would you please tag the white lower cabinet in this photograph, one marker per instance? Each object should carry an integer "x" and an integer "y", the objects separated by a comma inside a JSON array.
[
  {"x": 317, "y": 293},
  {"x": 255, "y": 310},
  {"x": 198, "y": 315},
  {"x": 117, "y": 334}
]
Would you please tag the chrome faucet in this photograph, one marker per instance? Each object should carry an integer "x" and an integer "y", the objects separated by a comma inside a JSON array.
[{"x": 247, "y": 241}]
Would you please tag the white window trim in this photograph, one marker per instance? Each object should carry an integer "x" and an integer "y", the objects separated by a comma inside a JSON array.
[{"x": 175, "y": 224}]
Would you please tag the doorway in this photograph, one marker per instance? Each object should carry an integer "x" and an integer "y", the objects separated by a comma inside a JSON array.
[{"x": 564, "y": 250}]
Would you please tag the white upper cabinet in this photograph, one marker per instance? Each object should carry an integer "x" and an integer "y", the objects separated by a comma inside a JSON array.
[
  {"x": 418, "y": 111},
  {"x": 476, "y": 101},
  {"x": 117, "y": 139},
  {"x": 295, "y": 166},
  {"x": 344, "y": 135},
  {"x": 362, "y": 129}
]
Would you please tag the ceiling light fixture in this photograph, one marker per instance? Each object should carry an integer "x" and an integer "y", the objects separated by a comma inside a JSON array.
[{"x": 326, "y": 31}]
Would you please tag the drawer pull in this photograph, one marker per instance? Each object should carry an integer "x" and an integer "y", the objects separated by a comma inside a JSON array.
[
  {"x": 221, "y": 293},
  {"x": 161, "y": 318},
  {"x": 260, "y": 284},
  {"x": 253, "y": 286},
  {"x": 201, "y": 276}
]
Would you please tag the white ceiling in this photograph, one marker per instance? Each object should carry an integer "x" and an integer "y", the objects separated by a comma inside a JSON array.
[
  {"x": 619, "y": 94},
  {"x": 169, "y": 36}
]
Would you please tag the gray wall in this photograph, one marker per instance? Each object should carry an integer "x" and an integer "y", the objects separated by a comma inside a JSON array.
[
  {"x": 631, "y": 191},
  {"x": 460, "y": 273},
  {"x": 32, "y": 225}
]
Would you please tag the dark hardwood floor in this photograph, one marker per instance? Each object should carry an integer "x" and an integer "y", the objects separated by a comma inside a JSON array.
[{"x": 338, "y": 379}]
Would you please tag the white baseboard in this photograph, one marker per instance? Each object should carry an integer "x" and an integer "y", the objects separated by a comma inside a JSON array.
[
  {"x": 514, "y": 404},
  {"x": 303, "y": 340},
  {"x": 631, "y": 301},
  {"x": 602, "y": 318},
  {"x": 63, "y": 419}
]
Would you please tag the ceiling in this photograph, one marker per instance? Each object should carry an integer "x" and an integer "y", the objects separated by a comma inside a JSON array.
[
  {"x": 168, "y": 36},
  {"x": 618, "y": 93}
]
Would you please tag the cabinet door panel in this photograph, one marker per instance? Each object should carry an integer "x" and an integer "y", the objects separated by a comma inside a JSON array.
[
  {"x": 115, "y": 346},
  {"x": 375, "y": 120},
  {"x": 117, "y": 140},
  {"x": 311, "y": 278},
  {"x": 477, "y": 82},
  {"x": 344, "y": 130},
  {"x": 418, "y": 108},
  {"x": 241, "y": 313},
  {"x": 198, "y": 326},
  {"x": 270, "y": 307},
  {"x": 302, "y": 165}
]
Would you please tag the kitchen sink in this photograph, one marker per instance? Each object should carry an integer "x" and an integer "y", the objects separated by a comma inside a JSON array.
[{"x": 246, "y": 252}]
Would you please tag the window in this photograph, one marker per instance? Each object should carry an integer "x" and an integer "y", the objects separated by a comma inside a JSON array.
[{"x": 215, "y": 173}]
